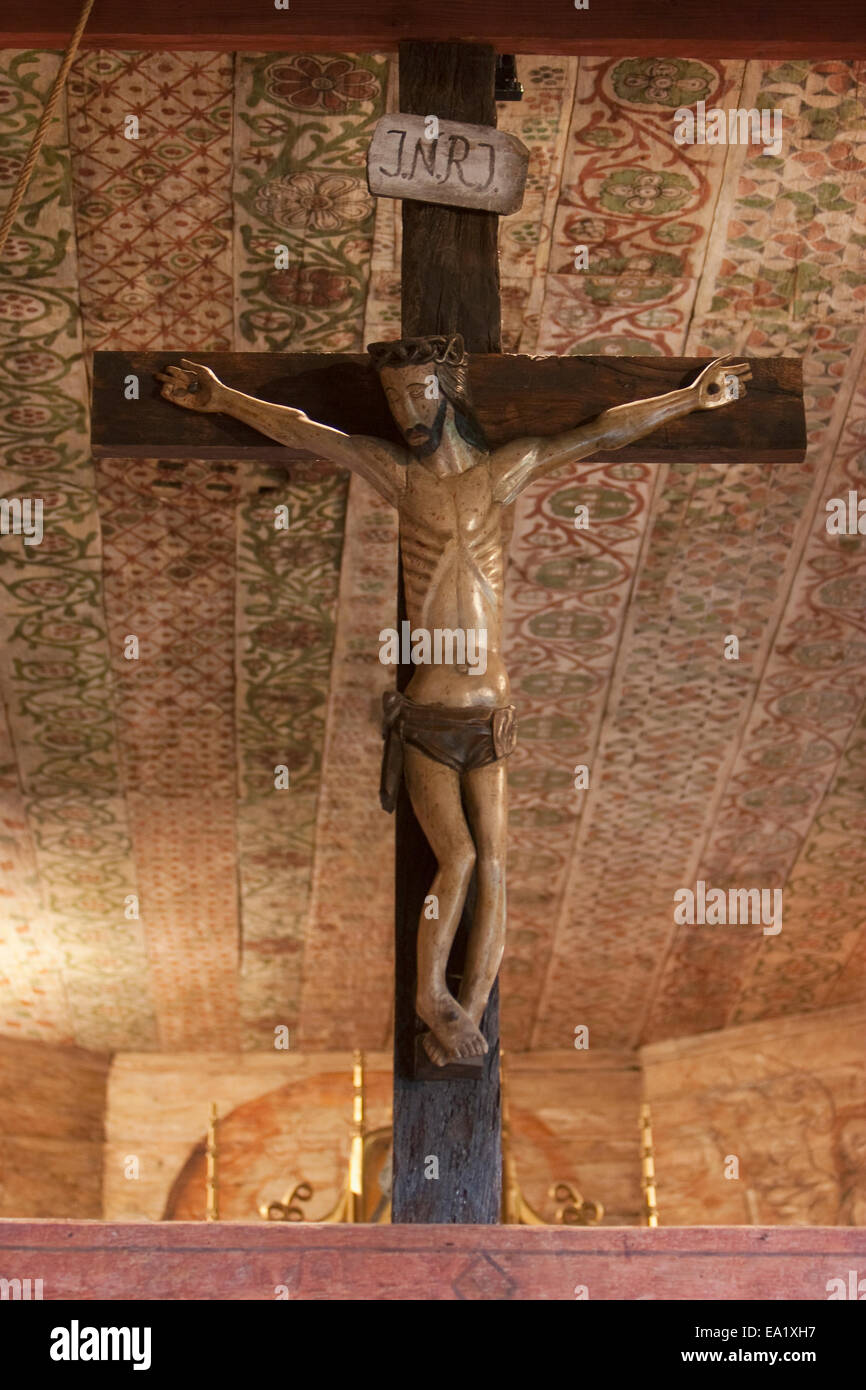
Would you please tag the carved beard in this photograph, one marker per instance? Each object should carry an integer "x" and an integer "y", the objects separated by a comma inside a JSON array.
[{"x": 429, "y": 436}]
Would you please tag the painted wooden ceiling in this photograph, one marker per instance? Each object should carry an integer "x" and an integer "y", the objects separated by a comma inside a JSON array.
[{"x": 157, "y": 892}]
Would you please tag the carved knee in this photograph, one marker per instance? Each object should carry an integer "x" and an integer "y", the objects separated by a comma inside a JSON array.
[
  {"x": 491, "y": 872},
  {"x": 463, "y": 862}
]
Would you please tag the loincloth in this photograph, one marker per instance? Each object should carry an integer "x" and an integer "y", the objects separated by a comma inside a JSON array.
[{"x": 462, "y": 739}]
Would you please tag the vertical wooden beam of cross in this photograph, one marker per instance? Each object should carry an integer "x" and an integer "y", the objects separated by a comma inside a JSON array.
[{"x": 450, "y": 283}]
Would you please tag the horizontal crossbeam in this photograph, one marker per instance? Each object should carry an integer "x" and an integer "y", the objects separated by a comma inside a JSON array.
[{"x": 514, "y": 396}]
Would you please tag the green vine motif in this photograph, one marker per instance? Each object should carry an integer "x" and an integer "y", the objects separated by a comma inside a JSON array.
[
  {"x": 23, "y": 307},
  {"x": 303, "y": 187},
  {"x": 16, "y": 115},
  {"x": 86, "y": 776},
  {"x": 29, "y": 458},
  {"x": 316, "y": 566},
  {"x": 31, "y": 365},
  {"x": 59, "y": 189},
  {"x": 67, "y": 631},
  {"x": 23, "y": 95},
  {"x": 324, "y": 148},
  {"x": 31, "y": 256},
  {"x": 42, "y": 413},
  {"x": 323, "y": 279},
  {"x": 93, "y": 670},
  {"x": 58, "y": 547},
  {"x": 46, "y": 595},
  {"x": 280, "y": 330},
  {"x": 31, "y": 82},
  {"x": 317, "y": 203},
  {"x": 317, "y": 514},
  {"x": 271, "y": 126}
]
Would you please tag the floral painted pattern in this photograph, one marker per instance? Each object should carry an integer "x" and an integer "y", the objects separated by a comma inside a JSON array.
[
  {"x": 320, "y": 202},
  {"x": 662, "y": 81},
  {"x": 301, "y": 184},
  {"x": 309, "y": 84},
  {"x": 640, "y": 190}
]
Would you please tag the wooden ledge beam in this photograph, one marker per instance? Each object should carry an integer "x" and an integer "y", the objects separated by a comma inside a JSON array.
[
  {"x": 178, "y": 1260},
  {"x": 775, "y": 29}
]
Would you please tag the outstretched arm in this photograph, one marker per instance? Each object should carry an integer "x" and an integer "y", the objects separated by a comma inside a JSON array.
[
  {"x": 380, "y": 463},
  {"x": 519, "y": 463}
]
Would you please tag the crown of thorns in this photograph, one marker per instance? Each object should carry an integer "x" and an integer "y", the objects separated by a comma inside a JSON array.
[{"x": 415, "y": 352}]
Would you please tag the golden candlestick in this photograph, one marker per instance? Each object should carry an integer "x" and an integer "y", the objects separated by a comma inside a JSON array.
[
  {"x": 356, "y": 1153},
  {"x": 212, "y": 1212},
  {"x": 648, "y": 1169}
]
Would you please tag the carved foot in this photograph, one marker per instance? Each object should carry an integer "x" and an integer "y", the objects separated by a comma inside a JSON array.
[
  {"x": 453, "y": 1036},
  {"x": 435, "y": 1051}
]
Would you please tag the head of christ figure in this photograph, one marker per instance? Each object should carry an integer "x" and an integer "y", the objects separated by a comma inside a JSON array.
[{"x": 425, "y": 380}]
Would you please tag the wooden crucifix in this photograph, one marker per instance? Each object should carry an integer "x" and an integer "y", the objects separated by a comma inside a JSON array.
[{"x": 451, "y": 467}]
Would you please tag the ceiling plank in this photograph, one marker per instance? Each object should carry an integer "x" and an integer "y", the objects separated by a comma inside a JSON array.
[{"x": 739, "y": 29}]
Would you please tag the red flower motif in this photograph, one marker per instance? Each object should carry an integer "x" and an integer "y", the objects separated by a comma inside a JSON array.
[
  {"x": 308, "y": 284},
  {"x": 36, "y": 456},
  {"x": 29, "y": 416},
  {"x": 17, "y": 249},
  {"x": 19, "y": 306},
  {"x": 281, "y": 634},
  {"x": 310, "y": 84}
]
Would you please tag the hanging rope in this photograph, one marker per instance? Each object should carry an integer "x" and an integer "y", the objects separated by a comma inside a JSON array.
[{"x": 33, "y": 153}]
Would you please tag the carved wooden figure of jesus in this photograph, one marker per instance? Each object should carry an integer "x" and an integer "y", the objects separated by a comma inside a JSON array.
[{"x": 451, "y": 731}]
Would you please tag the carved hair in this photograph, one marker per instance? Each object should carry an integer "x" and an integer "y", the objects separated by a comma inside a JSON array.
[
  {"x": 448, "y": 355},
  {"x": 415, "y": 352}
]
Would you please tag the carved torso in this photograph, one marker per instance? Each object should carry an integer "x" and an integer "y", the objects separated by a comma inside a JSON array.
[{"x": 453, "y": 572}]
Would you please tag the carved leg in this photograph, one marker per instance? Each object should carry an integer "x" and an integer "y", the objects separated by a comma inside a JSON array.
[
  {"x": 435, "y": 794},
  {"x": 486, "y": 793}
]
